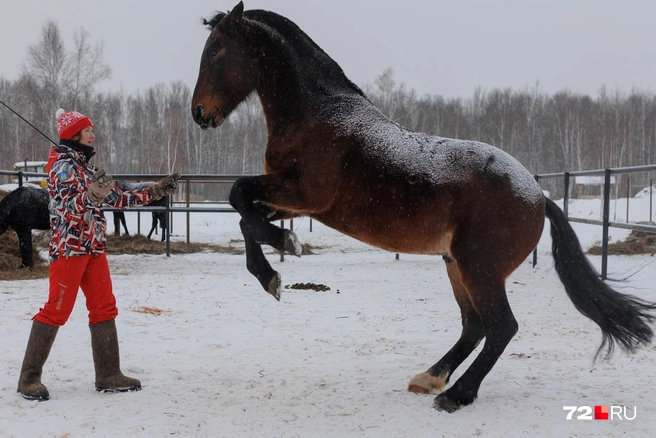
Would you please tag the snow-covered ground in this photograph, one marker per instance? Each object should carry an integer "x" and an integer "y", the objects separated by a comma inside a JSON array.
[{"x": 224, "y": 359}]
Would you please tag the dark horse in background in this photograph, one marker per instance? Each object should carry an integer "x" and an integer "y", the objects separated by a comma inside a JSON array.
[
  {"x": 23, "y": 210},
  {"x": 159, "y": 217},
  {"x": 332, "y": 156},
  {"x": 119, "y": 216},
  {"x": 119, "y": 219},
  {"x": 26, "y": 209}
]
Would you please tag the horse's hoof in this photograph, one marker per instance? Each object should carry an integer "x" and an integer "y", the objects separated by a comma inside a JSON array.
[
  {"x": 444, "y": 403},
  {"x": 292, "y": 245},
  {"x": 424, "y": 383},
  {"x": 453, "y": 399},
  {"x": 274, "y": 287}
]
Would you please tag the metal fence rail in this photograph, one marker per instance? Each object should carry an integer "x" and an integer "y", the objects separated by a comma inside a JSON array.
[
  {"x": 188, "y": 179},
  {"x": 605, "y": 222}
]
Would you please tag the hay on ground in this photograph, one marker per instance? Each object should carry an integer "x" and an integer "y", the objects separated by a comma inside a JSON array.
[{"x": 638, "y": 242}]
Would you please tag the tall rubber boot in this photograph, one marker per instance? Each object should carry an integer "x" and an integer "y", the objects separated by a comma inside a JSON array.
[
  {"x": 38, "y": 348},
  {"x": 104, "y": 344}
]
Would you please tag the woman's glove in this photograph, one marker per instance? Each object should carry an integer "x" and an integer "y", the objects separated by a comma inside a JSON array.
[
  {"x": 167, "y": 186},
  {"x": 101, "y": 185}
]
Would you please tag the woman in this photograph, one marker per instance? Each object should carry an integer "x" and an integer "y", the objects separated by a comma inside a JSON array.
[{"x": 78, "y": 190}]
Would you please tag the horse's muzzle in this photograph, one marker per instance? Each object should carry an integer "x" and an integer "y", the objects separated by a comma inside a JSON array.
[{"x": 198, "y": 113}]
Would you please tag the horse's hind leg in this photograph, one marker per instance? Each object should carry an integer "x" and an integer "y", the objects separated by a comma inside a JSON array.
[
  {"x": 25, "y": 246},
  {"x": 488, "y": 296},
  {"x": 433, "y": 380}
]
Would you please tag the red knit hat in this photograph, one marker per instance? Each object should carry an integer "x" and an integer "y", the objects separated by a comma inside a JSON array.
[{"x": 69, "y": 124}]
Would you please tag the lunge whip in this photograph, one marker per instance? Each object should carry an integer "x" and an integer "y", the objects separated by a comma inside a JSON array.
[{"x": 23, "y": 119}]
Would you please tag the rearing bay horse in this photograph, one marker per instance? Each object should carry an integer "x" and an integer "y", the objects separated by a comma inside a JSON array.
[{"x": 333, "y": 156}]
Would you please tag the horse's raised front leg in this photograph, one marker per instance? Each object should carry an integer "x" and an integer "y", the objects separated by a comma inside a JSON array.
[
  {"x": 437, "y": 376},
  {"x": 259, "y": 266},
  {"x": 247, "y": 197}
]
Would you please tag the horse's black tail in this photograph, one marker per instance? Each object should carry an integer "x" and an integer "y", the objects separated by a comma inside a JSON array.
[{"x": 622, "y": 318}]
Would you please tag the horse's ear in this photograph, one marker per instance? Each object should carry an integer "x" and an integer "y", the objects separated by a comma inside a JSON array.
[{"x": 231, "y": 21}]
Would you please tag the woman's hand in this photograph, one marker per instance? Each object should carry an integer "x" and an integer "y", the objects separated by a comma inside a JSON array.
[
  {"x": 101, "y": 185},
  {"x": 167, "y": 186}
]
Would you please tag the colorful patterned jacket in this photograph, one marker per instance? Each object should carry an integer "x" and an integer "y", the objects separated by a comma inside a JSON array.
[{"x": 77, "y": 225}]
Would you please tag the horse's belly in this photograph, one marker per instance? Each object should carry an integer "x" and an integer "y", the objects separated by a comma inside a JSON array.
[
  {"x": 411, "y": 243},
  {"x": 411, "y": 235}
]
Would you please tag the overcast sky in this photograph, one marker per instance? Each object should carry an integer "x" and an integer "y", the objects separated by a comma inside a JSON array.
[{"x": 434, "y": 46}]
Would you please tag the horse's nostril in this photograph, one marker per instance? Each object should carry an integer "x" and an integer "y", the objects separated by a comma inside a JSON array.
[{"x": 198, "y": 113}]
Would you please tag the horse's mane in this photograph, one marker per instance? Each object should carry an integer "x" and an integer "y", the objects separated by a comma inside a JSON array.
[{"x": 303, "y": 45}]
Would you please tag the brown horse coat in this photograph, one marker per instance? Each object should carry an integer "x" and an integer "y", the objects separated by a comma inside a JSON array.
[{"x": 333, "y": 156}]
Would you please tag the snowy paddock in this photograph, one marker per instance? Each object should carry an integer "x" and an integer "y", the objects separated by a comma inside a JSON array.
[{"x": 224, "y": 359}]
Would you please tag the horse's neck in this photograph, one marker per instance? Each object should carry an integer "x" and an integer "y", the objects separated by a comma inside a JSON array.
[{"x": 283, "y": 95}]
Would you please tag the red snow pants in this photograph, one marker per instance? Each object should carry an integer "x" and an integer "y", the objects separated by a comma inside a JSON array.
[{"x": 67, "y": 276}]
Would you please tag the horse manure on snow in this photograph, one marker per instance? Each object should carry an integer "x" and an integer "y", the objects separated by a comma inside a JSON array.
[{"x": 309, "y": 286}]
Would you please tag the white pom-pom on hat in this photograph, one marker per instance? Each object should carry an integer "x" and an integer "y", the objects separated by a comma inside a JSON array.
[{"x": 59, "y": 112}]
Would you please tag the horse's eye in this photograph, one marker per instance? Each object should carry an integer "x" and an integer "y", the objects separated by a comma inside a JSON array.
[{"x": 213, "y": 51}]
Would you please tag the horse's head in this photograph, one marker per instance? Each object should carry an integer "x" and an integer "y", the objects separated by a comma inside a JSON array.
[{"x": 228, "y": 70}]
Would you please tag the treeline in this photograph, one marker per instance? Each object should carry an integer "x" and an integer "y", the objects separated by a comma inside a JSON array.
[
  {"x": 562, "y": 132},
  {"x": 152, "y": 131}
]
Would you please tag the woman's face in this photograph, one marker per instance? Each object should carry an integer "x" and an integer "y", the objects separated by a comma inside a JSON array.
[{"x": 87, "y": 136}]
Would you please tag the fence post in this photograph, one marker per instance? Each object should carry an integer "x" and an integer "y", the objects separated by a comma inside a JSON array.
[
  {"x": 628, "y": 195},
  {"x": 168, "y": 227},
  {"x": 651, "y": 198},
  {"x": 606, "y": 220},
  {"x": 566, "y": 197},
  {"x": 188, "y": 198},
  {"x": 20, "y": 178},
  {"x": 282, "y": 253},
  {"x": 535, "y": 251}
]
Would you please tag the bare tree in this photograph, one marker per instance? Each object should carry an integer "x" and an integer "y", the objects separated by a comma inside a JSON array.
[
  {"x": 86, "y": 66},
  {"x": 48, "y": 64},
  {"x": 64, "y": 78}
]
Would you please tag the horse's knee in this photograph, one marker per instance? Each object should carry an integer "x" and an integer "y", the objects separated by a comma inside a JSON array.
[{"x": 236, "y": 195}]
